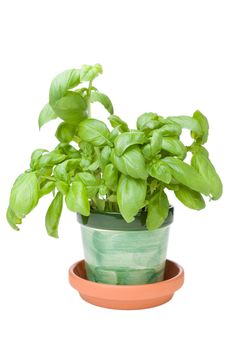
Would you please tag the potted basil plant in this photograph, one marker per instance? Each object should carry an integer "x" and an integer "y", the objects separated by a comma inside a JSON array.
[{"x": 115, "y": 178}]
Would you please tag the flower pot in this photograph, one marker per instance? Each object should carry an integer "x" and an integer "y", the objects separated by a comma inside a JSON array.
[
  {"x": 127, "y": 297},
  {"x": 121, "y": 253}
]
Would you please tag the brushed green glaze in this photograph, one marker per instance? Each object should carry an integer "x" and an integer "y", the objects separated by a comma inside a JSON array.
[{"x": 125, "y": 257}]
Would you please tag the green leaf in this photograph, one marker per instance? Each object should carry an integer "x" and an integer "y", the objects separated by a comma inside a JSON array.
[
  {"x": 158, "y": 208},
  {"x": 94, "y": 131},
  {"x": 70, "y": 151},
  {"x": 110, "y": 176},
  {"x": 90, "y": 181},
  {"x": 174, "y": 146},
  {"x": 105, "y": 155},
  {"x": 148, "y": 121},
  {"x": 65, "y": 170},
  {"x": 12, "y": 219},
  {"x": 53, "y": 215},
  {"x": 86, "y": 148},
  {"x": 62, "y": 187},
  {"x": 207, "y": 171},
  {"x": 114, "y": 133},
  {"x": 127, "y": 139},
  {"x": 100, "y": 203},
  {"x": 170, "y": 128},
  {"x": 103, "y": 190},
  {"x": 36, "y": 155},
  {"x": 94, "y": 166},
  {"x": 131, "y": 194},
  {"x": 46, "y": 115},
  {"x": 131, "y": 163},
  {"x": 187, "y": 175},
  {"x": 187, "y": 122},
  {"x": 190, "y": 198},
  {"x": 46, "y": 187},
  {"x": 197, "y": 148},
  {"x": 147, "y": 152},
  {"x": 62, "y": 83},
  {"x": 24, "y": 194},
  {"x": 97, "y": 96},
  {"x": 88, "y": 73},
  {"x": 204, "y": 125},
  {"x": 72, "y": 108},
  {"x": 160, "y": 171},
  {"x": 156, "y": 142},
  {"x": 116, "y": 121},
  {"x": 65, "y": 132},
  {"x": 77, "y": 199},
  {"x": 50, "y": 159}
]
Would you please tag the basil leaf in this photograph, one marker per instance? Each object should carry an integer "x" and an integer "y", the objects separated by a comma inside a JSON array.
[
  {"x": 187, "y": 175},
  {"x": 90, "y": 182},
  {"x": 62, "y": 171},
  {"x": 88, "y": 73},
  {"x": 36, "y": 155},
  {"x": 206, "y": 169},
  {"x": 127, "y": 139},
  {"x": 197, "y": 148},
  {"x": 24, "y": 194},
  {"x": 190, "y": 198},
  {"x": 94, "y": 166},
  {"x": 147, "y": 152},
  {"x": 94, "y": 131},
  {"x": 170, "y": 129},
  {"x": 105, "y": 155},
  {"x": 174, "y": 146},
  {"x": 46, "y": 187},
  {"x": 72, "y": 108},
  {"x": 97, "y": 96},
  {"x": 62, "y": 83},
  {"x": 114, "y": 133},
  {"x": 158, "y": 208},
  {"x": 148, "y": 121},
  {"x": 86, "y": 148},
  {"x": 204, "y": 125},
  {"x": 12, "y": 219},
  {"x": 187, "y": 122},
  {"x": 53, "y": 215},
  {"x": 156, "y": 142},
  {"x": 103, "y": 190},
  {"x": 116, "y": 121},
  {"x": 131, "y": 163},
  {"x": 62, "y": 187},
  {"x": 46, "y": 115},
  {"x": 77, "y": 199},
  {"x": 100, "y": 203},
  {"x": 110, "y": 176},
  {"x": 50, "y": 159},
  {"x": 160, "y": 171},
  {"x": 65, "y": 132},
  {"x": 131, "y": 194},
  {"x": 85, "y": 163},
  {"x": 70, "y": 151}
]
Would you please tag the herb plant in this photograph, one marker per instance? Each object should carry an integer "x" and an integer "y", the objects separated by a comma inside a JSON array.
[{"x": 121, "y": 170}]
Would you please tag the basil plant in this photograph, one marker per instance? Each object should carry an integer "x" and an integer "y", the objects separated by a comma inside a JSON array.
[{"x": 96, "y": 167}]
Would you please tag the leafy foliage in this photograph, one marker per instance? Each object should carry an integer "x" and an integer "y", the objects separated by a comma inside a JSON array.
[{"x": 123, "y": 170}]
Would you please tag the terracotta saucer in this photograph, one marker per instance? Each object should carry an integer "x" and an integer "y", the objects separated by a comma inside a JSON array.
[{"x": 126, "y": 297}]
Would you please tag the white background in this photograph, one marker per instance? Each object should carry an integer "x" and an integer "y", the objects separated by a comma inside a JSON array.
[{"x": 170, "y": 57}]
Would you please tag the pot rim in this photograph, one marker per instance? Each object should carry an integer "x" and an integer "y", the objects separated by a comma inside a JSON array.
[{"x": 113, "y": 221}]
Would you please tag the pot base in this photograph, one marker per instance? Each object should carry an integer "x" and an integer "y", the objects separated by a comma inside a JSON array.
[{"x": 127, "y": 297}]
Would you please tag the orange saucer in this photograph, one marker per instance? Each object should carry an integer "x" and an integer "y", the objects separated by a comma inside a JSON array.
[{"x": 124, "y": 297}]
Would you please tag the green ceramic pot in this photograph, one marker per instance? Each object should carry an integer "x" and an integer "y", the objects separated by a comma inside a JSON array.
[{"x": 120, "y": 253}]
